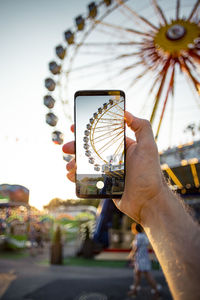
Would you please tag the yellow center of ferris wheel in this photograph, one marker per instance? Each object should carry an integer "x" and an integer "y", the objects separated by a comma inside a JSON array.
[{"x": 176, "y": 37}]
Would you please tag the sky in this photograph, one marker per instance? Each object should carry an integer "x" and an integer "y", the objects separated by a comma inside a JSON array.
[{"x": 29, "y": 32}]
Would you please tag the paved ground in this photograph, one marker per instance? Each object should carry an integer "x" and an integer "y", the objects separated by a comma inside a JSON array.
[{"x": 28, "y": 279}]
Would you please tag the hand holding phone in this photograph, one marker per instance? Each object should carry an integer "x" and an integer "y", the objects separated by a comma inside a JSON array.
[{"x": 99, "y": 143}]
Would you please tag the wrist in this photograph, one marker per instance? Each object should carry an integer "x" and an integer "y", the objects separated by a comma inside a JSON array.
[{"x": 155, "y": 207}]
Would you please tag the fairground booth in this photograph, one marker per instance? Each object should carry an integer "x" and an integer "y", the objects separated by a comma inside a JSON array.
[{"x": 14, "y": 215}]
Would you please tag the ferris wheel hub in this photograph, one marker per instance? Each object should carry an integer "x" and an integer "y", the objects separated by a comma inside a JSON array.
[
  {"x": 176, "y": 37},
  {"x": 176, "y": 32}
]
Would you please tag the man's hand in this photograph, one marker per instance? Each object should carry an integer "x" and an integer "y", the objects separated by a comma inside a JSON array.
[
  {"x": 69, "y": 148},
  {"x": 143, "y": 174},
  {"x": 144, "y": 180}
]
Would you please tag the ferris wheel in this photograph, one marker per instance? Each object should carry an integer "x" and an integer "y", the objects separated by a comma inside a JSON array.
[
  {"x": 148, "y": 48},
  {"x": 104, "y": 136}
]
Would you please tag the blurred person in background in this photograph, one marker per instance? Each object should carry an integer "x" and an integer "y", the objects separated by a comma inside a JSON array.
[{"x": 140, "y": 261}]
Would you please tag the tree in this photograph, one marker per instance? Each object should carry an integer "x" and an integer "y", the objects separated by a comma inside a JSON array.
[{"x": 56, "y": 202}]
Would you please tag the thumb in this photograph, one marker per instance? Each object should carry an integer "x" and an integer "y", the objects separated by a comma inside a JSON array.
[{"x": 141, "y": 127}]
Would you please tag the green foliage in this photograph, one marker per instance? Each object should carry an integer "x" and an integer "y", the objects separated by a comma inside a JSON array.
[
  {"x": 56, "y": 202},
  {"x": 84, "y": 216},
  {"x": 80, "y": 261},
  {"x": 18, "y": 237}
]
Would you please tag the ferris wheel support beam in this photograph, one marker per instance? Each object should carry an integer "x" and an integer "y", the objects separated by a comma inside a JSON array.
[
  {"x": 170, "y": 87},
  {"x": 164, "y": 73}
]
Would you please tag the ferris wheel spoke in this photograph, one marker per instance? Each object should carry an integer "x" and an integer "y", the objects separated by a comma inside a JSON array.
[
  {"x": 116, "y": 34},
  {"x": 170, "y": 88},
  {"x": 195, "y": 8},
  {"x": 110, "y": 142},
  {"x": 103, "y": 53},
  {"x": 117, "y": 106},
  {"x": 111, "y": 114},
  {"x": 159, "y": 11},
  {"x": 119, "y": 148},
  {"x": 88, "y": 32},
  {"x": 114, "y": 76},
  {"x": 195, "y": 56},
  {"x": 157, "y": 79},
  {"x": 129, "y": 54},
  {"x": 119, "y": 109},
  {"x": 105, "y": 123},
  {"x": 105, "y": 136},
  {"x": 109, "y": 120},
  {"x": 110, "y": 145},
  {"x": 76, "y": 74},
  {"x": 93, "y": 64},
  {"x": 119, "y": 112},
  {"x": 136, "y": 79},
  {"x": 177, "y": 9},
  {"x": 114, "y": 73},
  {"x": 108, "y": 128},
  {"x": 111, "y": 125},
  {"x": 110, "y": 44},
  {"x": 115, "y": 115},
  {"x": 192, "y": 63},
  {"x": 128, "y": 68},
  {"x": 140, "y": 18},
  {"x": 129, "y": 30},
  {"x": 100, "y": 62}
]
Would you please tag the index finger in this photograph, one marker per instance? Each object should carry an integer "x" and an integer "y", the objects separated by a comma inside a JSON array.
[
  {"x": 69, "y": 148},
  {"x": 72, "y": 128},
  {"x": 141, "y": 127}
]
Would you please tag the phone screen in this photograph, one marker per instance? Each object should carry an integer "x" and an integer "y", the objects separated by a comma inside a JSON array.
[{"x": 99, "y": 143}]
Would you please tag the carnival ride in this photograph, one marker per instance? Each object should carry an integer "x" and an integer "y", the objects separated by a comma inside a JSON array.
[
  {"x": 151, "y": 50},
  {"x": 145, "y": 48}
]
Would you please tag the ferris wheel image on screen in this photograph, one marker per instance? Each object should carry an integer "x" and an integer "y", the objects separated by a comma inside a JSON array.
[{"x": 100, "y": 144}]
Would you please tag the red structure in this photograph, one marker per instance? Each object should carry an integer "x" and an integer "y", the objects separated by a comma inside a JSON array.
[{"x": 13, "y": 195}]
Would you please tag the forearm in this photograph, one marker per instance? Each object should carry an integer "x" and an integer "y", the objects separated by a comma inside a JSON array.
[{"x": 175, "y": 238}]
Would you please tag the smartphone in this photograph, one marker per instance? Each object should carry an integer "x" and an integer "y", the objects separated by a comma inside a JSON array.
[{"x": 99, "y": 143}]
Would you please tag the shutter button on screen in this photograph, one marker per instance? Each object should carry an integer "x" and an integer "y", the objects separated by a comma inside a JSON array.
[{"x": 99, "y": 184}]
